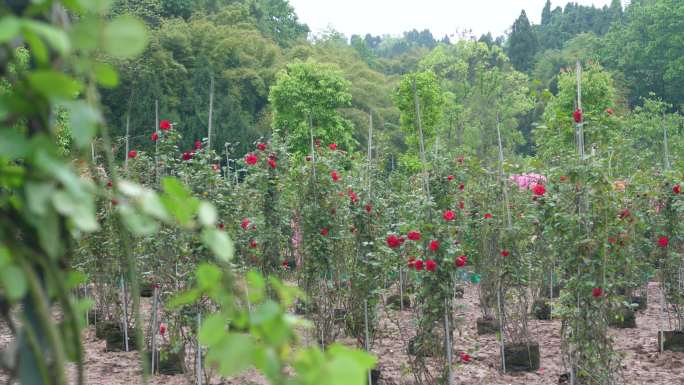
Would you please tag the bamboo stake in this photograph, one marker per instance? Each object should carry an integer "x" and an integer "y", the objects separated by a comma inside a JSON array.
[
  {"x": 211, "y": 112},
  {"x": 367, "y": 339},
  {"x": 666, "y": 149},
  {"x": 447, "y": 342},
  {"x": 401, "y": 289},
  {"x": 125, "y": 312},
  {"x": 156, "y": 142},
  {"x": 154, "y": 329},
  {"x": 370, "y": 152},
  {"x": 199, "y": 351}
]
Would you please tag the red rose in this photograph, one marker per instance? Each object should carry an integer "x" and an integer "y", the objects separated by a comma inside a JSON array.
[
  {"x": 198, "y": 144},
  {"x": 352, "y": 196},
  {"x": 461, "y": 205},
  {"x": 261, "y": 146},
  {"x": 369, "y": 208},
  {"x": 132, "y": 154},
  {"x": 335, "y": 176},
  {"x": 609, "y": 111},
  {"x": 109, "y": 184},
  {"x": 187, "y": 156},
  {"x": 663, "y": 241},
  {"x": 430, "y": 265},
  {"x": 677, "y": 189},
  {"x": 411, "y": 262},
  {"x": 538, "y": 189},
  {"x": 162, "y": 329},
  {"x": 115, "y": 202},
  {"x": 449, "y": 215},
  {"x": 285, "y": 265},
  {"x": 393, "y": 241},
  {"x": 465, "y": 357},
  {"x": 244, "y": 224},
  {"x": 251, "y": 159},
  {"x": 325, "y": 231},
  {"x": 488, "y": 216},
  {"x": 221, "y": 226},
  {"x": 418, "y": 265},
  {"x": 597, "y": 292},
  {"x": 165, "y": 125},
  {"x": 318, "y": 142},
  {"x": 308, "y": 158},
  {"x": 460, "y": 159},
  {"x": 414, "y": 235},
  {"x": 450, "y": 178},
  {"x": 272, "y": 163},
  {"x": 624, "y": 214},
  {"x": 401, "y": 239},
  {"x": 333, "y": 146},
  {"x": 461, "y": 186},
  {"x": 252, "y": 244},
  {"x": 461, "y": 261},
  {"x": 577, "y": 115},
  {"x": 612, "y": 240},
  {"x": 154, "y": 136},
  {"x": 434, "y": 245},
  {"x": 505, "y": 253}
]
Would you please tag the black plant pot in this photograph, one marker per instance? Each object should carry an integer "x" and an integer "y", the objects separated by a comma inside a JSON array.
[
  {"x": 115, "y": 339},
  {"x": 564, "y": 379},
  {"x": 640, "y": 300},
  {"x": 546, "y": 292},
  {"x": 375, "y": 377},
  {"x": 302, "y": 308},
  {"x": 171, "y": 363},
  {"x": 623, "y": 319},
  {"x": 459, "y": 292},
  {"x": 672, "y": 340},
  {"x": 522, "y": 357},
  {"x": 487, "y": 326},
  {"x": 542, "y": 309},
  {"x": 146, "y": 291},
  {"x": 103, "y": 328},
  {"x": 339, "y": 315},
  {"x": 427, "y": 347},
  {"x": 394, "y": 301}
]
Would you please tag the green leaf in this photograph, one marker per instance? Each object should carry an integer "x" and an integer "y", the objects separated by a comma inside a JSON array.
[
  {"x": 138, "y": 223},
  {"x": 14, "y": 282},
  {"x": 82, "y": 212},
  {"x": 208, "y": 276},
  {"x": 212, "y": 330},
  {"x": 9, "y": 28},
  {"x": 38, "y": 196},
  {"x": 219, "y": 243},
  {"x": 13, "y": 144},
  {"x": 125, "y": 37},
  {"x": 256, "y": 285},
  {"x": 106, "y": 75},
  {"x": 234, "y": 354},
  {"x": 83, "y": 121},
  {"x": 207, "y": 214},
  {"x": 54, "y": 85},
  {"x": 347, "y": 366},
  {"x": 55, "y": 37},
  {"x": 178, "y": 201},
  {"x": 183, "y": 299}
]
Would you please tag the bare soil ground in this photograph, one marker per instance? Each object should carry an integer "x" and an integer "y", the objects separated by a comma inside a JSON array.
[{"x": 642, "y": 364}]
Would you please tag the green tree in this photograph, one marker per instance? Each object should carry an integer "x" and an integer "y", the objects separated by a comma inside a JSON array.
[
  {"x": 522, "y": 44},
  {"x": 546, "y": 13},
  {"x": 311, "y": 93}
]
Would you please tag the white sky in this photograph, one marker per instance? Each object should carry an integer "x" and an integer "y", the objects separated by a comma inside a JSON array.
[{"x": 442, "y": 17}]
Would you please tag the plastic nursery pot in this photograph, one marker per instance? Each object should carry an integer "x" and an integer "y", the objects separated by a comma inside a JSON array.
[
  {"x": 302, "y": 307},
  {"x": 623, "y": 319},
  {"x": 115, "y": 339},
  {"x": 375, "y": 377},
  {"x": 104, "y": 328},
  {"x": 339, "y": 315},
  {"x": 146, "y": 291},
  {"x": 542, "y": 309},
  {"x": 171, "y": 363},
  {"x": 459, "y": 292},
  {"x": 394, "y": 302},
  {"x": 672, "y": 340},
  {"x": 488, "y": 325},
  {"x": 546, "y": 292},
  {"x": 522, "y": 357},
  {"x": 564, "y": 379},
  {"x": 427, "y": 346},
  {"x": 641, "y": 302}
]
